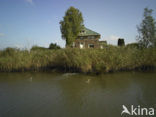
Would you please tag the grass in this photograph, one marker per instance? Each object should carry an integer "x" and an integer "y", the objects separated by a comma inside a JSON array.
[{"x": 109, "y": 59}]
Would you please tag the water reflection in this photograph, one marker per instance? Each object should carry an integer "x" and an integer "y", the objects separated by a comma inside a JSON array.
[{"x": 68, "y": 95}]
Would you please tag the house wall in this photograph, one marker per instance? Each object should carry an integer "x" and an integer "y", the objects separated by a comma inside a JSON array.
[
  {"x": 102, "y": 44},
  {"x": 86, "y": 42}
]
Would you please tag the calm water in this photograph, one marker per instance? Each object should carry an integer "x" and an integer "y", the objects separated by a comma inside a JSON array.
[{"x": 74, "y": 95}]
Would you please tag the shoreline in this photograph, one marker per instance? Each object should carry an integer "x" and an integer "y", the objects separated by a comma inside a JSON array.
[{"x": 56, "y": 70}]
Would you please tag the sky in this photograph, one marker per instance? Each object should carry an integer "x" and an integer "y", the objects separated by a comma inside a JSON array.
[{"x": 25, "y": 23}]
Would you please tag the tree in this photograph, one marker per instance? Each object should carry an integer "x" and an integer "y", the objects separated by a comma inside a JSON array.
[
  {"x": 121, "y": 42},
  {"x": 147, "y": 30},
  {"x": 54, "y": 46},
  {"x": 71, "y": 25}
]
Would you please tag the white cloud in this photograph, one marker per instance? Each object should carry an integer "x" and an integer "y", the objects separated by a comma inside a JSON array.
[
  {"x": 30, "y": 1},
  {"x": 112, "y": 39},
  {"x": 19, "y": 46},
  {"x": 2, "y": 34}
]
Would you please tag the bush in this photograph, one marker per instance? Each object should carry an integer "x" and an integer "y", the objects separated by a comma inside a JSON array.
[
  {"x": 54, "y": 46},
  {"x": 121, "y": 42}
]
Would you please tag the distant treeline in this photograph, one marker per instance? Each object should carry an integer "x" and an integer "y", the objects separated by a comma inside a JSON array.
[
  {"x": 51, "y": 46},
  {"x": 108, "y": 59}
]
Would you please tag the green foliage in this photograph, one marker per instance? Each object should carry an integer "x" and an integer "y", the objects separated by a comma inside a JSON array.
[
  {"x": 147, "y": 30},
  {"x": 133, "y": 45},
  {"x": 38, "y": 48},
  {"x": 121, "y": 42},
  {"x": 104, "y": 60},
  {"x": 9, "y": 52},
  {"x": 71, "y": 25},
  {"x": 54, "y": 46}
]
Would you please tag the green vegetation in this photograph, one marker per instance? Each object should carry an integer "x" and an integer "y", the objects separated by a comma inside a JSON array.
[
  {"x": 147, "y": 30},
  {"x": 54, "y": 46},
  {"x": 71, "y": 25},
  {"x": 109, "y": 59},
  {"x": 38, "y": 48},
  {"x": 121, "y": 42},
  {"x": 35, "y": 48},
  {"x": 133, "y": 45}
]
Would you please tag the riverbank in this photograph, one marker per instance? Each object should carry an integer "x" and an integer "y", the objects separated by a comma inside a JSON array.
[{"x": 109, "y": 59}]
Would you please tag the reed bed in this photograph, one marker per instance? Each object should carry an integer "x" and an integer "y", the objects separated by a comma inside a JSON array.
[{"x": 109, "y": 59}]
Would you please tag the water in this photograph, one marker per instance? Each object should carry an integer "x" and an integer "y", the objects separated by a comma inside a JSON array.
[{"x": 74, "y": 95}]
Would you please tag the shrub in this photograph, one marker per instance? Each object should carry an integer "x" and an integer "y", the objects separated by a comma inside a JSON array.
[
  {"x": 54, "y": 46},
  {"x": 121, "y": 42}
]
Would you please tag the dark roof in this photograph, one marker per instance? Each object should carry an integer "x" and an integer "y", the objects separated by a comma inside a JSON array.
[{"x": 87, "y": 32}]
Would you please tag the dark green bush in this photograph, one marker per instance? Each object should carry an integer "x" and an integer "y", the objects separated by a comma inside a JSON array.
[
  {"x": 54, "y": 46},
  {"x": 121, "y": 42}
]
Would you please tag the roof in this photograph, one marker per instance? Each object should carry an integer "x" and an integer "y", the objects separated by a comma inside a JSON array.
[
  {"x": 87, "y": 32},
  {"x": 103, "y": 42}
]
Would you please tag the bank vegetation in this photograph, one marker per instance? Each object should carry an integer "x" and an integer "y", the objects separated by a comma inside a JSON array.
[{"x": 108, "y": 59}]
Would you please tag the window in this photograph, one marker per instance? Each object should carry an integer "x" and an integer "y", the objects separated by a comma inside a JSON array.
[
  {"x": 81, "y": 37},
  {"x": 73, "y": 44},
  {"x": 90, "y": 45},
  {"x": 91, "y": 37},
  {"x": 81, "y": 45},
  {"x": 101, "y": 46},
  {"x": 82, "y": 32}
]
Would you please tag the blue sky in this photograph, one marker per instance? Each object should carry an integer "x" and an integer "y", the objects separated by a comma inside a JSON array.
[{"x": 24, "y": 23}]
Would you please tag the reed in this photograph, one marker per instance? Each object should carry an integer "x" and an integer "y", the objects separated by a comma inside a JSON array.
[{"x": 109, "y": 59}]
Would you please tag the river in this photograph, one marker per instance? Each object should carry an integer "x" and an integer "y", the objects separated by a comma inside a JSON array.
[{"x": 74, "y": 95}]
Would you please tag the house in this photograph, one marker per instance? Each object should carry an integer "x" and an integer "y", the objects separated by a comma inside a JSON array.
[
  {"x": 87, "y": 39},
  {"x": 102, "y": 44}
]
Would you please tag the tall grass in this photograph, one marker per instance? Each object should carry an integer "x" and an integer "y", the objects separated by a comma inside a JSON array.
[{"x": 104, "y": 60}]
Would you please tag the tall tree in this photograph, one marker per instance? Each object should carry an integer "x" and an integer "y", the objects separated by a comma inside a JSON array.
[
  {"x": 147, "y": 30},
  {"x": 71, "y": 25}
]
